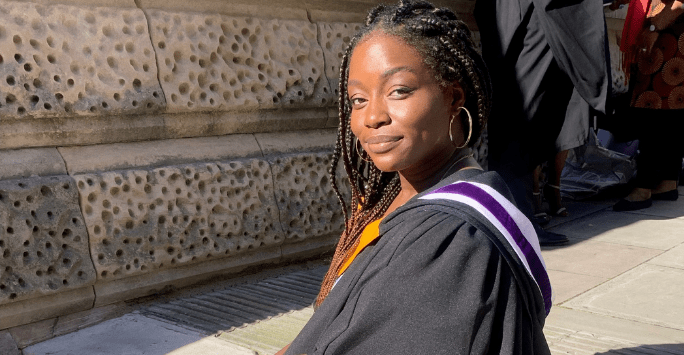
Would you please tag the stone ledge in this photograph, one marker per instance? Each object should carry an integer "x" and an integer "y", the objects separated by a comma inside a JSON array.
[
  {"x": 23, "y": 163},
  {"x": 108, "y": 3},
  {"x": 46, "y": 307},
  {"x": 152, "y": 154},
  {"x": 286, "y": 9},
  {"x": 294, "y": 142},
  {"x": 309, "y": 248},
  {"x": 167, "y": 279},
  {"x": 28, "y": 334},
  {"x": 81, "y": 130}
]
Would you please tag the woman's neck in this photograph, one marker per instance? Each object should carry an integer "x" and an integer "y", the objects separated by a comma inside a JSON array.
[{"x": 461, "y": 159}]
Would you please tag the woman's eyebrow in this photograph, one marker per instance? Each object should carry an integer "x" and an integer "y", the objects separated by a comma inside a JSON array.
[
  {"x": 385, "y": 75},
  {"x": 393, "y": 71}
]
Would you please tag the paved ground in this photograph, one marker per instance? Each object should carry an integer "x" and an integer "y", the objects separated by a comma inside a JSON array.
[{"x": 619, "y": 289}]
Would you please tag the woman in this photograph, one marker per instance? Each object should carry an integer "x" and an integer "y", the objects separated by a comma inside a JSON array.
[
  {"x": 434, "y": 259},
  {"x": 653, "y": 46}
]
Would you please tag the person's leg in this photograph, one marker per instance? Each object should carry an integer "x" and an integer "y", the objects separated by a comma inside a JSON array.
[
  {"x": 540, "y": 216},
  {"x": 671, "y": 158},
  {"x": 552, "y": 193},
  {"x": 659, "y": 161}
]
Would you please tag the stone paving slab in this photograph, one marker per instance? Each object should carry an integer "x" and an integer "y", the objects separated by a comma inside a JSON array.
[
  {"x": 648, "y": 293},
  {"x": 598, "y": 259},
  {"x": 627, "y": 229},
  {"x": 577, "y": 210},
  {"x": 672, "y": 209},
  {"x": 566, "y": 285},
  {"x": 672, "y": 258},
  {"x": 631, "y": 331},
  {"x": 130, "y": 334}
]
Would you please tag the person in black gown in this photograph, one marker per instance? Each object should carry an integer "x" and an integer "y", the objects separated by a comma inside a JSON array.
[
  {"x": 548, "y": 60},
  {"x": 435, "y": 257}
]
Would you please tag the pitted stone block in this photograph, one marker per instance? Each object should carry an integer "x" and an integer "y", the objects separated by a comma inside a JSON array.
[
  {"x": 140, "y": 220},
  {"x": 335, "y": 38},
  {"x": 43, "y": 240},
  {"x": 59, "y": 60},
  {"x": 308, "y": 205},
  {"x": 218, "y": 62}
]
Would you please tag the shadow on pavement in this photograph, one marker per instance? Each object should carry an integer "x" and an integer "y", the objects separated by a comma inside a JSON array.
[{"x": 659, "y": 349}]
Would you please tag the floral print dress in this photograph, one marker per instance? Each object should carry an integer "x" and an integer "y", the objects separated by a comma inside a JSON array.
[{"x": 659, "y": 79}]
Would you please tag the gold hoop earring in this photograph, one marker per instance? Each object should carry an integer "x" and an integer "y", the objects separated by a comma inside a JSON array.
[
  {"x": 356, "y": 146},
  {"x": 470, "y": 129}
]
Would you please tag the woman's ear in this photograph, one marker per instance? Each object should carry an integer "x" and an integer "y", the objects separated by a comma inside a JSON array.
[{"x": 457, "y": 96}]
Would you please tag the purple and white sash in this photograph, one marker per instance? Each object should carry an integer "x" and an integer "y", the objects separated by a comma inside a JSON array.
[{"x": 512, "y": 224}]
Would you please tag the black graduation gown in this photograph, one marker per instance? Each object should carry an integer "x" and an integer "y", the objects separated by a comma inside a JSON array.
[
  {"x": 548, "y": 60},
  {"x": 438, "y": 281}
]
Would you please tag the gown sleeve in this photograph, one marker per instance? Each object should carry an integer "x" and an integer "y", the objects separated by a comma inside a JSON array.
[{"x": 433, "y": 284}]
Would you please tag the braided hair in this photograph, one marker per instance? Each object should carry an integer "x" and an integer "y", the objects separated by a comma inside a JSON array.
[{"x": 446, "y": 46}]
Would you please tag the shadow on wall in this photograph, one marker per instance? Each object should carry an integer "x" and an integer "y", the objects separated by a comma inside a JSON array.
[{"x": 664, "y": 349}]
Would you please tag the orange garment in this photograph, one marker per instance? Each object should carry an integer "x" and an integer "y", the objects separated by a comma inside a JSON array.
[{"x": 369, "y": 234}]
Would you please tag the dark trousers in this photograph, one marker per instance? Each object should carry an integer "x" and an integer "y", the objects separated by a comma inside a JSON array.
[{"x": 661, "y": 145}]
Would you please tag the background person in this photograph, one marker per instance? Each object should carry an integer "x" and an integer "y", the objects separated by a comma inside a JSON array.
[
  {"x": 653, "y": 46},
  {"x": 548, "y": 60}
]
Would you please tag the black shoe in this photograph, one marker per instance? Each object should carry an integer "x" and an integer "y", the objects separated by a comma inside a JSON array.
[
  {"x": 547, "y": 238},
  {"x": 671, "y": 195},
  {"x": 624, "y": 205},
  {"x": 541, "y": 218}
]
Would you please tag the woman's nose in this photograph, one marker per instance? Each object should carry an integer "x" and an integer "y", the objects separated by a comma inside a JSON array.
[{"x": 376, "y": 115}]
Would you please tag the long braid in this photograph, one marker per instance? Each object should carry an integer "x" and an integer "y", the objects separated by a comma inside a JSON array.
[{"x": 445, "y": 43}]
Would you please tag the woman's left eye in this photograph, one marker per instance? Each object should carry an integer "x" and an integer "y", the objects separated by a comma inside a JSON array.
[{"x": 401, "y": 92}]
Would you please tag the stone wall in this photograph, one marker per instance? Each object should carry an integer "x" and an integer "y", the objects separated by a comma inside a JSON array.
[{"x": 147, "y": 145}]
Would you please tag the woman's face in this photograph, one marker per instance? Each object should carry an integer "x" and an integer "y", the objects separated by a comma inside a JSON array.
[{"x": 400, "y": 113}]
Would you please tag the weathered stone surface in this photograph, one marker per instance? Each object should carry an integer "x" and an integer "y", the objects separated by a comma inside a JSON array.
[
  {"x": 7, "y": 344},
  {"x": 286, "y": 9},
  {"x": 119, "y": 156},
  {"x": 46, "y": 307},
  {"x": 28, "y": 334},
  {"x": 78, "y": 130},
  {"x": 213, "y": 123},
  {"x": 141, "y": 220},
  {"x": 63, "y": 60},
  {"x": 339, "y": 11},
  {"x": 335, "y": 38},
  {"x": 43, "y": 240},
  {"x": 310, "y": 248},
  {"x": 72, "y": 322},
  {"x": 299, "y": 141},
  {"x": 22, "y": 163},
  {"x": 218, "y": 62},
  {"x": 108, "y": 3},
  {"x": 167, "y": 279},
  {"x": 308, "y": 205}
]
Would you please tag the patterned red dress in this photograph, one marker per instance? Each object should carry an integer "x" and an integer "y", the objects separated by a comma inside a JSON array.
[{"x": 659, "y": 76}]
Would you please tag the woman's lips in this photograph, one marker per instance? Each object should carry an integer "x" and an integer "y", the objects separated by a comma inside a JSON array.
[{"x": 382, "y": 143}]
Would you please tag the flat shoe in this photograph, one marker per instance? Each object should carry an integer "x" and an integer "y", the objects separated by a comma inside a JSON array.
[
  {"x": 624, "y": 205},
  {"x": 541, "y": 219},
  {"x": 547, "y": 238},
  {"x": 561, "y": 212},
  {"x": 671, "y": 195}
]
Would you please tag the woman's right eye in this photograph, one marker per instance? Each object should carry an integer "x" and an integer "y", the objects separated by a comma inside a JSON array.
[{"x": 357, "y": 101}]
